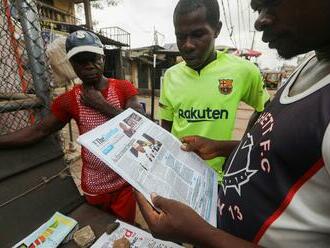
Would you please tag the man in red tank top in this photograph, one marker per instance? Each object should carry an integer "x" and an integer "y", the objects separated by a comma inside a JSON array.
[{"x": 90, "y": 104}]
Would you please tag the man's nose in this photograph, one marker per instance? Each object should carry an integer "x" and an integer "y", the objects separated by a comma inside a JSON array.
[
  {"x": 264, "y": 19},
  {"x": 188, "y": 44}
]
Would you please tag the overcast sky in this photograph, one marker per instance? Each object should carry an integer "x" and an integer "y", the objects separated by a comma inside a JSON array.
[{"x": 140, "y": 17}]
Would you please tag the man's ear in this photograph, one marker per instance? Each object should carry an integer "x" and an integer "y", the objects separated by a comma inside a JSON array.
[{"x": 218, "y": 29}]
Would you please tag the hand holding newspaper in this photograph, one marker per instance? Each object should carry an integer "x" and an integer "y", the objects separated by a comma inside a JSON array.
[{"x": 151, "y": 160}]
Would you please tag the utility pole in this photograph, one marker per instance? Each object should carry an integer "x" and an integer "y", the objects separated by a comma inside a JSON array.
[
  {"x": 153, "y": 81},
  {"x": 156, "y": 34},
  {"x": 155, "y": 37},
  {"x": 253, "y": 39}
]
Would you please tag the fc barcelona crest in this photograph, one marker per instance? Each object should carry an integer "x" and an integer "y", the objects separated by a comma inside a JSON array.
[{"x": 225, "y": 86}]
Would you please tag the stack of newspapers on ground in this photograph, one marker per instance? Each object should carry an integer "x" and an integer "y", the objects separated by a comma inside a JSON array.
[
  {"x": 59, "y": 229},
  {"x": 51, "y": 234},
  {"x": 137, "y": 238},
  {"x": 151, "y": 160}
]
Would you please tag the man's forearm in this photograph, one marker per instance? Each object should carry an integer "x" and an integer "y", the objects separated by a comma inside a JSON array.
[
  {"x": 23, "y": 137},
  {"x": 32, "y": 134},
  {"x": 167, "y": 125},
  {"x": 225, "y": 148}
]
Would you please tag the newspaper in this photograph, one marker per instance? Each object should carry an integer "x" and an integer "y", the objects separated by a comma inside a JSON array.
[
  {"x": 51, "y": 234},
  {"x": 135, "y": 236},
  {"x": 151, "y": 160}
]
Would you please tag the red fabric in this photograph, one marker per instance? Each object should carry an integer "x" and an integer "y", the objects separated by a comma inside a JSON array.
[
  {"x": 121, "y": 203},
  {"x": 124, "y": 90},
  {"x": 97, "y": 178}
]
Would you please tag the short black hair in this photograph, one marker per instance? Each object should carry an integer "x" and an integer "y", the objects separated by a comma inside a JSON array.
[{"x": 211, "y": 6}]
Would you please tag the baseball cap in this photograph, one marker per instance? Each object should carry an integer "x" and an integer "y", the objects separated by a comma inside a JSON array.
[{"x": 83, "y": 41}]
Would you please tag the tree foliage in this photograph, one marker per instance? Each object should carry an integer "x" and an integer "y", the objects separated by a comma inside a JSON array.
[
  {"x": 98, "y": 4},
  {"x": 104, "y": 3}
]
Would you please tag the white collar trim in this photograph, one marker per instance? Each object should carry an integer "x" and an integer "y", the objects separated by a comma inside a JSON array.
[{"x": 286, "y": 99}]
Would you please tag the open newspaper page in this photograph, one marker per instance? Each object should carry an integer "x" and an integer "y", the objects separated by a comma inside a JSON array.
[
  {"x": 135, "y": 236},
  {"x": 151, "y": 160}
]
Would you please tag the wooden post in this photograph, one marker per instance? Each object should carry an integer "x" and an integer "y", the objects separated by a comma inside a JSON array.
[{"x": 88, "y": 14}]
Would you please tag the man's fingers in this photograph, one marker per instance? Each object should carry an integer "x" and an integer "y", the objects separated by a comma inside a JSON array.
[
  {"x": 162, "y": 203},
  {"x": 188, "y": 139},
  {"x": 147, "y": 211},
  {"x": 187, "y": 147},
  {"x": 189, "y": 143}
]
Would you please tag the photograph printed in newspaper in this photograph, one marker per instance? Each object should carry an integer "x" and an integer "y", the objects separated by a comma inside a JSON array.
[{"x": 151, "y": 160}]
